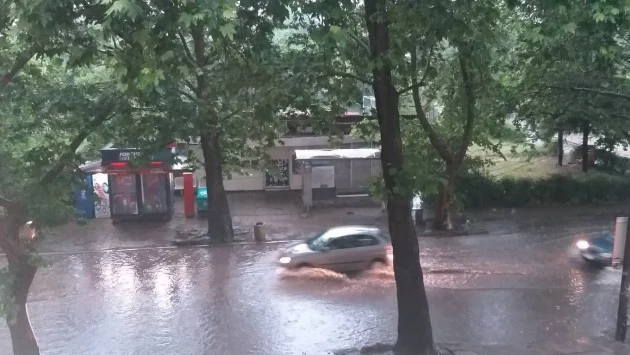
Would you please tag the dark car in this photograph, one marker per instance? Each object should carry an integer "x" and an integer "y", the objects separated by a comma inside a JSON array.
[{"x": 598, "y": 249}]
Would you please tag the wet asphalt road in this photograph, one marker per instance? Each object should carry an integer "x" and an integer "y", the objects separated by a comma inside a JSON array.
[{"x": 506, "y": 288}]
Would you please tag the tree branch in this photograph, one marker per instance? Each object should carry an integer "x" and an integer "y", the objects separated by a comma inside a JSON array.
[
  {"x": 58, "y": 167},
  {"x": 359, "y": 41},
  {"x": 469, "y": 92},
  {"x": 422, "y": 82},
  {"x": 442, "y": 149},
  {"x": 6, "y": 203},
  {"x": 230, "y": 115},
  {"x": 598, "y": 92},
  {"x": 187, "y": 51},
  {"x": 349, "y": 76},
  {"x": 19, "y": 63},
  {"x": 188, "y": 95}
]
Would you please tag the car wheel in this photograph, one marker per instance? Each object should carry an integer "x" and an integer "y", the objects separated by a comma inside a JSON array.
[
  {"x": 377, "y": 262},
  {"x": 594, "y": 263}
]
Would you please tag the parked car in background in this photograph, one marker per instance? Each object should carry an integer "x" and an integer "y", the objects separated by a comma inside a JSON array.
[{"x": 342, "y": 249}]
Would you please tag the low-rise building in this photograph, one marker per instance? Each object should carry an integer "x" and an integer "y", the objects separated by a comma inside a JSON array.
[{"x": 344, "y": 176}]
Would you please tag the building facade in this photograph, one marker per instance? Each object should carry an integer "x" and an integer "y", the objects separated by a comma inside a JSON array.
[
  {"x": 342, "y": 176},
  {"x": 346, "y": 176}
]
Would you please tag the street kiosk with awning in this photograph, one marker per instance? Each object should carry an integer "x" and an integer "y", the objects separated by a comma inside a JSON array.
[{"x": 139, "y": 191}]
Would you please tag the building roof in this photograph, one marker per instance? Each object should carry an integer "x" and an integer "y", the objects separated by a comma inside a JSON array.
[{"x": 326, "y": 154}]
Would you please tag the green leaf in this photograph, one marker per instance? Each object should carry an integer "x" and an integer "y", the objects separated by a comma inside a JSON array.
[
  {"x": 599, "y": 17},
  {"x": 186, "y": 19},
  {"x": 569, "y": 27},
  {"x": 337, "y": 33},
  {"x": 229, "y": 14},
  {"x": 168, "y": 56},
  {"x": 123, "y": 7},
  {"x": 183, "y": 70},
  {"x": 228, "y": 30}
]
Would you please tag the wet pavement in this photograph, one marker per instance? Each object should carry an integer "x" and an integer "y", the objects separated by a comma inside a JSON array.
[{"x": 517, "y": 285}]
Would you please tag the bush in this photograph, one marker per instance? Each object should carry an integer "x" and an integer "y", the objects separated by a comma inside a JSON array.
[
  {"x": 481, "y": 191},
  {"x": 610, "y": 162}
]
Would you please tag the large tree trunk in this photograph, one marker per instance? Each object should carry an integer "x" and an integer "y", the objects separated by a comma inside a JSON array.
[
  {"x": 560, "y": 146},
  {"x": 586, "y": 131},
  {"x": 20, "y": 267},
  {"x": 22, "y": 336},
  {"x": 219, "y": 217},
  {"x": 415, "y": 335}
]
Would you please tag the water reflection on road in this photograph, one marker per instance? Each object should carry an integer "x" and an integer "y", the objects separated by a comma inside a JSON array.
[{"x": 233, "y": 300}]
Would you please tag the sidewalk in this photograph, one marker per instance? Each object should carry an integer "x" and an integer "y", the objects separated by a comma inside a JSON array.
[
  {"x": 283, "y": 219},
  {"x": 281, "y": 215},
  {"x": 582, "y": 346}
]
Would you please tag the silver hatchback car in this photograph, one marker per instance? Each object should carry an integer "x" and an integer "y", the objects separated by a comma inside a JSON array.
[{"x": 343, "y": 249}]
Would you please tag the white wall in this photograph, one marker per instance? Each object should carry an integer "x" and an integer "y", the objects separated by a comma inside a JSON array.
[{"x": 255, "y": 180}]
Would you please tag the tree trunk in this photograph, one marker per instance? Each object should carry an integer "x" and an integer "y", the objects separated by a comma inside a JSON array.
[
  {"x": 586, "y": 130},
  {"x": 560, "y": 146},
  {"x": 415, "y": 335},
  {"x": 22, "y": 336},
  {"x": 443, "y": 216},
  {"x": 219, "y": 216},
  {"x": 452, "y": 159}
]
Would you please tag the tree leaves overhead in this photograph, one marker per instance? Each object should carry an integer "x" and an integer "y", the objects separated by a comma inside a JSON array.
[{"x": 569, "y": 54}]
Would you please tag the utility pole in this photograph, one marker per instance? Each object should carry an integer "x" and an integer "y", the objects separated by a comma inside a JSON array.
[{"x": 624, "y": 293}]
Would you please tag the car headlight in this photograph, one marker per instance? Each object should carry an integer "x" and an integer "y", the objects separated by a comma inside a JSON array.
[
  {"x": 284, "y": 260},
  {"x": 582, "y": 245}
]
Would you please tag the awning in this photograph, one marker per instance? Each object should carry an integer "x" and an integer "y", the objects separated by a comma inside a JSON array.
[{"x": 327, "y": 154}]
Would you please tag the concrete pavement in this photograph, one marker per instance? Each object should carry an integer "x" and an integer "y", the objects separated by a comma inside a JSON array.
[{"x": 581, "y": 346}]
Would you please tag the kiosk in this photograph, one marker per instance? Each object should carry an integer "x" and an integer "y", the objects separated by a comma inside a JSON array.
[{"x": 139, "y": 190}]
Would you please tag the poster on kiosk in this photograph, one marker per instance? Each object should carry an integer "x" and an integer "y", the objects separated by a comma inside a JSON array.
[{"x": 101, "y": 188}]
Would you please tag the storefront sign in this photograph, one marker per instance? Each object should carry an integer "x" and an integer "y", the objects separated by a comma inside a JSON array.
[{"x": 128, "y": 154}]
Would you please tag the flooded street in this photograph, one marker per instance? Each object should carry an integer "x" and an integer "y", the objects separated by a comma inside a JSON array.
[{"x": 511, "y": 288}]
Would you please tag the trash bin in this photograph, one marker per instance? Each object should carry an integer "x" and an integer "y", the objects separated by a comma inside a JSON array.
[
  {"x": 259, "y": 232},
  {"x": 202, "y": 200}
]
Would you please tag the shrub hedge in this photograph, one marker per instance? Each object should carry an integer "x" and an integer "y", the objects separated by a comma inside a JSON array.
[{"x": 482, "y": 191}]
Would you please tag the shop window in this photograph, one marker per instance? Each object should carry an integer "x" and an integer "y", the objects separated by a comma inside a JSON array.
[
  {"x": 154, "y": 193},
  {"x": 125, "y": 198}
]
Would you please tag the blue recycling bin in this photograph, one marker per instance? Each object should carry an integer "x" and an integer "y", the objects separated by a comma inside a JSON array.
[
  {"x": 202, "y": 200},
  {"x": 84, "y": 198}
]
